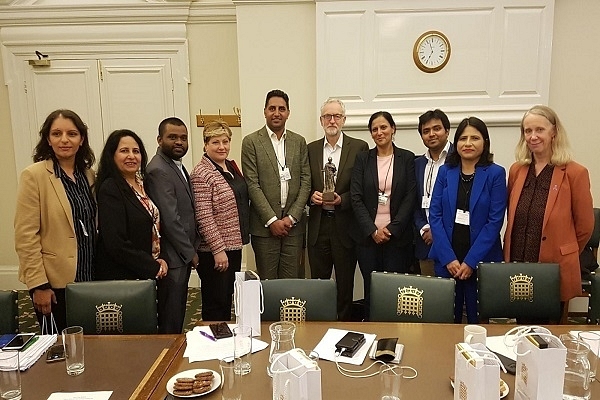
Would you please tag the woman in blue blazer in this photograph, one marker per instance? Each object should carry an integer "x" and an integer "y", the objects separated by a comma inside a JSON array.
[{"x": 466, "y": 213}]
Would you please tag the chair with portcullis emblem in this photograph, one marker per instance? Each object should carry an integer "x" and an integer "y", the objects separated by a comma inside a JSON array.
[
  {"x": 518, "y": 290},
  {"x": 299, "y": 300},
  {"x": 411, "y": 298},
  {"x": 113, "y": 307}
]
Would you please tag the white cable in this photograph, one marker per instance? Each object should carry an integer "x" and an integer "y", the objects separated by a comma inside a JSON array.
[{"x": 343, "y": 370}]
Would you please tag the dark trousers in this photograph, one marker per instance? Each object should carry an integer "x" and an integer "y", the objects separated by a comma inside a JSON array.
[
  {"x": 217, "y": 287},
  {"x": 466, "y": 294},
  {"x": 327, "y": 252},
  {"x": 59, "y": 312},
  {"x": 172, "y": 299},
  {"x": 386, "y": 257}
]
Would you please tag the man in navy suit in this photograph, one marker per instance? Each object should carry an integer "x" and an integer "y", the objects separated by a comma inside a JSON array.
[
  {"x": 168, "y": 185},
  {"x": 434, "y": 128}
]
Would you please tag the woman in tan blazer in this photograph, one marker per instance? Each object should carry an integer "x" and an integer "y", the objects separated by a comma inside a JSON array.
[
  {"x": 55, "y": 219},
  {"x": 550, "y": 208}
]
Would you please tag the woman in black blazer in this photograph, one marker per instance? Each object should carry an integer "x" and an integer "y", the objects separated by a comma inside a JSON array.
[
  {"x": 383, "y": 191},
  {"x": 128, "y": 220}
]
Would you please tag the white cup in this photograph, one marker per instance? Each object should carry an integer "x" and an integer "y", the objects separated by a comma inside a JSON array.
[
  {"x": 475, "y": 334},
  {"x": 74, "y": 354}
]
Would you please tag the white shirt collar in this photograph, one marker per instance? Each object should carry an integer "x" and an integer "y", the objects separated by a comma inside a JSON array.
[
  {"x": 339, "y": 142},
  {"x": 443, "y": 154}
]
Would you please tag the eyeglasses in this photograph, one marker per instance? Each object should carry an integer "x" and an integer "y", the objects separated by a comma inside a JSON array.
[{"x": 336, "y": 117}]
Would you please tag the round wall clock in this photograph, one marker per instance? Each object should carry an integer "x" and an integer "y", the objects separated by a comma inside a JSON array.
[{"x": 431, "y": 51}]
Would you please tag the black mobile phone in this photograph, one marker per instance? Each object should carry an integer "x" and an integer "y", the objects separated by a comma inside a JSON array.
[
  {"x": 55, "y": 353},
  {"x": 220, "y": 330},
  {"x": 350, "y": 343},
  {"x": 19, "y": 341}
]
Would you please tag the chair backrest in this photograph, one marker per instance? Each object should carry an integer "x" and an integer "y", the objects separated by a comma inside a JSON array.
[
  {"x": 411, "y": 298},
  {"x": 9, "y": 312},
  {"x": 595, "y": 238},
  {"x": 594, "y": 302},
  {"x": 113, "y": 307},
  {"x": 299, "y": 300},
  {"x": 519, "y": 290}
]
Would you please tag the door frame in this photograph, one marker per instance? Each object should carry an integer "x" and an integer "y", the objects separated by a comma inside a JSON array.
[{"x": 116, "y": 41}]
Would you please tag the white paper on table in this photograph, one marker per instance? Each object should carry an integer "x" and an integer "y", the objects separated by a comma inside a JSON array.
[
  {"x": 496, "y": 344},
  {"x": 104, "y": 395},
  {"x": 200, "y": 348},
  {"x": 326, "y": 347},
  {"x": 594, "y": 346}
]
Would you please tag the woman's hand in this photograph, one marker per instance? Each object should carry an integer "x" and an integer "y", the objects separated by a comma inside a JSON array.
[
  {"x": 381, "y": 236},
  {"x": 464, "y": 272},
  {"x": 43, "y": 299},
  {"x": 162, "y": 271},
  {"x": 221, "y": 261},
  {"x": 453, "y": 267}
]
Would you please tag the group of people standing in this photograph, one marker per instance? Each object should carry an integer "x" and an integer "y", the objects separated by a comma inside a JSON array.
[{"x": 152, "y": 220}]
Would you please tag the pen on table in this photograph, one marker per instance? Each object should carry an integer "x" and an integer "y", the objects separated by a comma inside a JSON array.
[{"x": 208, "y": 336}]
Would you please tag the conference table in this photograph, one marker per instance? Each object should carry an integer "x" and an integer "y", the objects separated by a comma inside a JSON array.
[
  {"x": 131, "y": 366},
  {"x": 139, "y": 366},
  {"x": 429, "y": 348}
]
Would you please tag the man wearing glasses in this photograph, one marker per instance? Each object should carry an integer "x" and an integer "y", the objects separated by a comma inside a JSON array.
[
  {"x": 434, "y": 128},
  {"x": 330, "y": 222}
]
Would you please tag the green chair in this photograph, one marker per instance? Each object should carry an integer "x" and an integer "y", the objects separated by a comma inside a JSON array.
[
  {"x": 299, "y": 300},
  {"x": 593, "y": 316},
  {"x": 113, "y": 307},
  {"x": 519, "y": 290},
  {"x": 411, "y": 298},
  {"x": 9, "y": 312}
]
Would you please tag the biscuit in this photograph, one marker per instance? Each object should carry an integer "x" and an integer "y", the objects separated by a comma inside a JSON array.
[
  {"x": 201, "y": 390},
  {"x": 198, "y": 384},
  {"x": 183, "y": 386},
  {"x": 204, "y": 375},
  {"x": 185, "y": 380},
  {"x": 177, "y": 392}
]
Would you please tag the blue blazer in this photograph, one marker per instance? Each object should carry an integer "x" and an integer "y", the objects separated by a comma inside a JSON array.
[
  {"x": 487, "y": 207},
  {"x": 420, "y": 217}
]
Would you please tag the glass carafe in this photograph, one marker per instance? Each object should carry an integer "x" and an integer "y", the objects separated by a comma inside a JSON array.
[
  {"x": 282, "y": 339},
  {"x": 577, "y": 370}
]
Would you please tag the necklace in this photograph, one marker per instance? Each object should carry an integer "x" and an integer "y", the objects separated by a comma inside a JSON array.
[{"x": 467, "y": 178}]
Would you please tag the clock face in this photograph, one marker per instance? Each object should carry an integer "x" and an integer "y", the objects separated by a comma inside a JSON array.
[{"x": 431, "y": 51}]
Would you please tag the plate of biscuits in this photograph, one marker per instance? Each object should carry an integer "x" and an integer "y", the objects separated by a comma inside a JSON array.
[{"x": 193, "y": 383}]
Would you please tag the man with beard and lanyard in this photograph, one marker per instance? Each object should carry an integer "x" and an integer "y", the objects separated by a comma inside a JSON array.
[
  {"x": 434, "y": 128},
  {"x": 168, "y": 185},
  {"x": 329, "y": 222}
]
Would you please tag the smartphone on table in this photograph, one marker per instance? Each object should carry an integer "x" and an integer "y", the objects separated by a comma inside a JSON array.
[{"x": 19, "y": 341}]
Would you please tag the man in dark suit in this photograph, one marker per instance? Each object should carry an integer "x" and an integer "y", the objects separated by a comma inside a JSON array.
[
  {"x": 434, "y": 128},
  {"x": 168, "y": 185},
  {"x": 329, "y": 222},
  {"x": 275, "y": 164}
]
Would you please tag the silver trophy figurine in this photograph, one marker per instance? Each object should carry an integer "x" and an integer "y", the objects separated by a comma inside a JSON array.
[{"x": 329, "y": 171}]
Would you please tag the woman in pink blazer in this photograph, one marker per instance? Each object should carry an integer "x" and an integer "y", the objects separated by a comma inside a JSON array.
[{"x": 550, "y": 208}]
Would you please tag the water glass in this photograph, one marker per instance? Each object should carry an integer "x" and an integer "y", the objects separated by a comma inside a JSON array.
[
  {"x": 231, "y": 382},
  {"x": 74, "y": 354},
  {"x": 10, "y": 376},
  {"x": 242, "y": 349},
  {"x": 592, "y": 339},
  {"x": 391, "y": 382}
]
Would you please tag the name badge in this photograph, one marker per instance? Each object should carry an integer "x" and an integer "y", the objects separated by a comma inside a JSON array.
[
  {"x": 382, "y": 199},
  {"x": 285, "y": 175},
  {"x": 462, "y": 217},
  {"x": 425, "y": 201}
]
